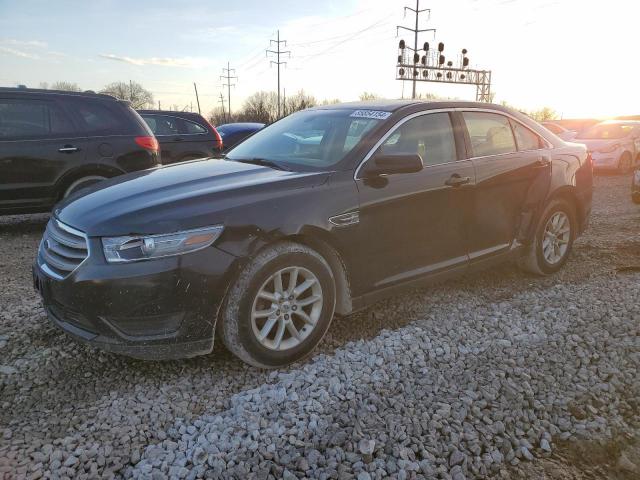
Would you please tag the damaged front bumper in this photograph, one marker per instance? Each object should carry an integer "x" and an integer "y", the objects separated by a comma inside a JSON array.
[{"x": 155, "y": 309}]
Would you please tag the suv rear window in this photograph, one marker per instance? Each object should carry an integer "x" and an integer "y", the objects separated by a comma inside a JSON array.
[
  {"x": 101, "y": 118},
  {"x": 32, "y": 119}
]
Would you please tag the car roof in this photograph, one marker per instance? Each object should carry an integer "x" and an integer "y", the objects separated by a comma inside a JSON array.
[
  {"x": 395, "y": 105},
  {"x": 41, "y": 91},
  {"x": 174, "y": 113},
  {"x": 241, "y": 125}
]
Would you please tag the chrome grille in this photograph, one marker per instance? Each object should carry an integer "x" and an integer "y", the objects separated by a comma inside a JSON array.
[{"x": 62, "y": 249}]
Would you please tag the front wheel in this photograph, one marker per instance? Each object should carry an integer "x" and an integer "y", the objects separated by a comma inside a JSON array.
[
  {"x": 280, "y": 307},
  {"x": 553, "y": 239}
]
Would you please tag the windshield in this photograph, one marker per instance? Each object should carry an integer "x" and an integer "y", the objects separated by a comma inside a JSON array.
[
  {"x": 606, "y": 131},
  {"x": 309, "y": 140}
]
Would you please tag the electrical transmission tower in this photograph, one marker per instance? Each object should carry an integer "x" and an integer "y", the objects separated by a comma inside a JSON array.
[
  {"x": 415, "y": 31},
  {"x": 226, "y": 75},
  {"x": 278, "y": 52}
]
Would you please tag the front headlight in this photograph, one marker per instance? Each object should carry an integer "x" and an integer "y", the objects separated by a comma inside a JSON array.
[
  {"x": 609, "y": 148},
  {"x": 145, "y": 247}
]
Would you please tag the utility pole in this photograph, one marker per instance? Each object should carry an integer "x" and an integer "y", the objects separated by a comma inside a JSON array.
[
  {"x": 197, "y": 99},
  {"x": 221, "y": 102},
  {"x": 228, "y": 77},
  {"x": 159, "y": 108},
  {"x": 415, "y": 31},
  {"x": 278, "y": 52},
  {"x": 284, "y": 101},
  {"x": 130, "y": 91}
]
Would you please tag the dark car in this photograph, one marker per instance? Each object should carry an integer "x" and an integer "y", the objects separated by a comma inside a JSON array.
[
  {"x": 325, "y": 211},
  {"x": 55, "y": 143},
  {"x": 182, "y": 135},
  {"x": 233, "y": 133}
]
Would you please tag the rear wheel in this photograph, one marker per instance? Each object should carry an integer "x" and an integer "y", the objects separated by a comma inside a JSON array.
[
  {"x": 625, "y": 163},
  {"x": 81, "y": 183},
  {"x": 280, "y": 307},
  {"x": 553, "y": 239}
]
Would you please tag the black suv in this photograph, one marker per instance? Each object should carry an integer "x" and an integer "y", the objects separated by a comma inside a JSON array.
[
  {"x": 55, "y": 143},
  {"x": 182, "y": 135},
  {"x": 323, "y": 212}
]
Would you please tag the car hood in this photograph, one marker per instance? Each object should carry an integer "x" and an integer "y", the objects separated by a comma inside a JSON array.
[{"x": 177, "y": 197}]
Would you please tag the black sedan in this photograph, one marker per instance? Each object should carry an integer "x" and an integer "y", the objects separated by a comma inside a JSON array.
[
  {"x": 233, "y": 133},
  {"x": 182, "y": 135},
  {"x": 321, "y": 213}
]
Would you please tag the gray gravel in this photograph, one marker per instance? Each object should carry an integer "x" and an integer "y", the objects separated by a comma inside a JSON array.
[{"x": 457, "y": 381}]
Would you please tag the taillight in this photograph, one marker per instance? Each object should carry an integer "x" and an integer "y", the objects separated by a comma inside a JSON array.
[
  {"x": 148, "y": 143},
  {"x": 218, "y": 144}
]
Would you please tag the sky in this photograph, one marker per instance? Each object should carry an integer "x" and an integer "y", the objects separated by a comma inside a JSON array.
[{"x": 579, "y": 57}]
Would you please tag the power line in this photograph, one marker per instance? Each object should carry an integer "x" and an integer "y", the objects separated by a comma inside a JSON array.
[
  {"x": 227, "y": 76},
  {"x": 354, "y": 35},
  {"x": 278, "y": 52}
]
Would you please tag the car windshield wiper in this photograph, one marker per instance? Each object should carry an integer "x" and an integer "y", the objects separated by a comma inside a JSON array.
[{"x": 260, "y": 161}]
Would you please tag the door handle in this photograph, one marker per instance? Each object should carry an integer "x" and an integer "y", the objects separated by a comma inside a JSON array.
[
  {"x": 68, "y": 149},
  {"x": 456, "y": 180}
]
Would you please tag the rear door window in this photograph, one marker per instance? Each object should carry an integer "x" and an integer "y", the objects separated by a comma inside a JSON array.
[
  {"x": 525, "y": 138},
  {"x": 490, "y": 133},
  {"x": 32, "y": 119},
  {"x": 99, "y": 118},
  {"x": 162, "y": 124},
  {"x": 192, "y": 128}
]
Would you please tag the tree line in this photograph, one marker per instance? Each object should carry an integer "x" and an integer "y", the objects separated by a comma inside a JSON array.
[{"x": 260, "y": 106}]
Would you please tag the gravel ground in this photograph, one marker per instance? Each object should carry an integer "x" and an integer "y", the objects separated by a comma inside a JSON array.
[{"x": 497, "y": 375}]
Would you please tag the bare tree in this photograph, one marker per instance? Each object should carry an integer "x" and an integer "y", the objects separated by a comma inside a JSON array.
[
  {"x": 365, "y": 96},
  {"x": 259, "y": 107},
  {"x": 218, "y": 116},
  {"x": 131, "y": 91},
  {"x": 330, "y": 101},
  {"x": 65, "y": 86},
  {"x": 543, "y": 114},
  {"x": 299, "y": 101}
]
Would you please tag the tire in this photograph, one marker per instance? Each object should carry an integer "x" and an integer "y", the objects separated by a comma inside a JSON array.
[
  {"x": 81, "y": 183},
  {"x": 535, "y": 260},
  {"x": 625, "y": 164},
  {"x": 243, "y": 319}
]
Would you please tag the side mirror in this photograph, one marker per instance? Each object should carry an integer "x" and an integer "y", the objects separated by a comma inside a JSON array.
[{"x": 392, "y": 164}]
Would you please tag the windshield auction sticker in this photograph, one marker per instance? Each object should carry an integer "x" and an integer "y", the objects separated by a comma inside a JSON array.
[{"x": 377, "y": 114}]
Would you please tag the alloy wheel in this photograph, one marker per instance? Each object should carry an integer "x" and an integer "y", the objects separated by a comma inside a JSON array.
[
  {"x": 556, "y": 237},
  {"x": 286, "y": 308}
]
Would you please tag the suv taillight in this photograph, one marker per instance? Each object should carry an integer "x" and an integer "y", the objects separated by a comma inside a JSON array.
[
  {"x": 148, "y": 143},
  {"x": 218, "y": 144}
]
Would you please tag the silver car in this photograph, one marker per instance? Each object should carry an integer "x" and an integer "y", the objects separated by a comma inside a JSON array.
[
  {"x": 614, "y": 144},
  {"x": 564, "y": 133}
]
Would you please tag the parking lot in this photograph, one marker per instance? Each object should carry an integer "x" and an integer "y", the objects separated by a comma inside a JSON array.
[{"x": 471, "y": 378}]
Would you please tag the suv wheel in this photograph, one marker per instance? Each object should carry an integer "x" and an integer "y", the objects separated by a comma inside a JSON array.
[
  {"x": 82, "y": 183},
  {"x": 280, "y": 307},
  {"x": 553, "y": 239}
]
